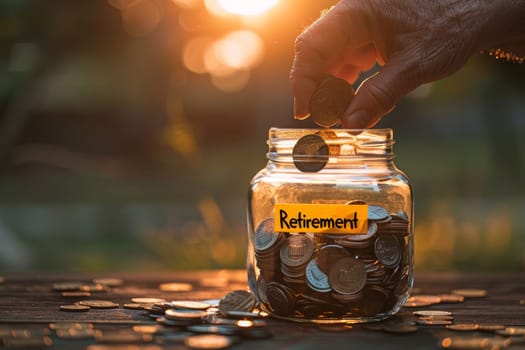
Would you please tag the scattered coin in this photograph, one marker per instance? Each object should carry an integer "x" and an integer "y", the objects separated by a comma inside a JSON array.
[
  {"x": 69, "y": 325},
  {"x": 511, "y": 331},
  {"x": 310, "y": 153},
  {"x": 98, "y": 304},
  {"x": 147, "y": 300},
  {"x": 26, "y": 343},
  {"x": 135, "y": 306},
  {"x": 75, "y": 333},
  {"x": 123, "y": 347},
  {"x": 491, "y": 327},
  {"x": 76, "y": 294},
  {"x": 67, "y": 286},
  {"x": 464, "y": 343},
  {"x": 432, "y": 322},
  {"x": 432, "y": 313},
  {"x": 463, "y": 327},
  {"x": 109, "y": 281},
  {"x": 208, "y": 341},
  {"x": 330, "y": 100},
  {"x": 470, "y": 292},
  {"x": 239, "y": 300},
  {"x": 122, "y": 337},
  {"x": 146, "y": 328},
  {"x": 74, "y": 308},
  {"x": 175, "y": 287},
  {"x": 451, "y": 298},
  {"x": 93, "y": 288},
  {"x": 184, "y": 314},
  {"x": 188, "y": 304}
]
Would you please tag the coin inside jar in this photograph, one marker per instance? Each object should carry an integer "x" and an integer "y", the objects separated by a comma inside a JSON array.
[
  {"x": 310, "y": 153},
  {"x": 347, "y": 276},
  {"x": 330, "y": 100}
]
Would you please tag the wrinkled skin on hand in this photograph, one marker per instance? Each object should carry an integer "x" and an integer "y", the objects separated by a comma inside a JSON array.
[{"x": 415, "y": 42}]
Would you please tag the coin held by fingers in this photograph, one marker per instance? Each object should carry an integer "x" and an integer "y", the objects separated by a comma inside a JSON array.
[{"x": 330, "y": 101}]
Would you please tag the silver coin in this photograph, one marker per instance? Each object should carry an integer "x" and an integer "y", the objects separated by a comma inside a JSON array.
[
  {"x": 372, "y": 230},
  {"x": 317, "y": 279},
  {"x": 377, "y": 213},
  {"x": 347, "y": 276},
  {"x": 264, "y": 236},
  {"x": 189, "y": 304},
  {"x": 297, "y": 250},
  {"x": 173, "y": 314},
  {"x": 387, "y": 250}
]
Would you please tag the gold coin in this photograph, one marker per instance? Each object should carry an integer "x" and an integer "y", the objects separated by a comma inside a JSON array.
[
  {"x": 69, "y": 325},
  {"x": 98, "y": 304},
  {"x": 146, "y": 328},
  {"x": 465, "y": 343},
  {"x": 25, "y": 343},
  {"x": 74, "y": 333},
  {"x": 330, "y": 100},
  {"x": 451, "y": 298},
  {"x": 432, "y": 313},
  {"x": 425, "y": 322},
  {"x": 93, "y": 288},
  {"x": 148, "y": 300},
  {"x": 491, "y": 327},
  {"x": 76, "y": 294},
  {"x": 463, "y": 327},
  {"x": 175, "y": 287},
  {"x": 74, "y": 308},
  {"x": 136, "y": 306},
  {"x": 122, "y": 337},
  {"x": 470, "y": 292},
  {"x": 208, "y": 341}
]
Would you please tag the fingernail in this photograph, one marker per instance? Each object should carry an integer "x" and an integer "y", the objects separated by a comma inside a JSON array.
[{"x": 356, "y": 120}]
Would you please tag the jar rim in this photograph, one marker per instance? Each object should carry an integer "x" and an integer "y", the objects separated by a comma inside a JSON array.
[{"x": 349, "y": 144}]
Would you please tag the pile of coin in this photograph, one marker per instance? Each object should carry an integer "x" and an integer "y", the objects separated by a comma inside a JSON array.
[{"x": 323, "y": 276}]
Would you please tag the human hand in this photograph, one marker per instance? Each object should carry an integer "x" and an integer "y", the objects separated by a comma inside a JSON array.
[{"x": 415, "y": 42}]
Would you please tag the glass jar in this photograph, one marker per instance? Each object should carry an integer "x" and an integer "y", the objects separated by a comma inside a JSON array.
[{"x": 330, "y": 227}]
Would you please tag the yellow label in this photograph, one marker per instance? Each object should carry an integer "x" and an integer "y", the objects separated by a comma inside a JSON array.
[{"x": 321, "y": 218}]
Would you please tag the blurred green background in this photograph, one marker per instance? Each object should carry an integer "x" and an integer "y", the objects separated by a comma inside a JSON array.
[{"x": 130, "y": 129}]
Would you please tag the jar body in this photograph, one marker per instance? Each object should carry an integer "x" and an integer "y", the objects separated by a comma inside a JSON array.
[{"x": 306, "y": 274}]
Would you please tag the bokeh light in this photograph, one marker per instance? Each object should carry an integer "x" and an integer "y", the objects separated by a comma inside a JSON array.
[
  {"x": 233, "y": 82},
  {"x": 194, "y": 53},
  {"x": 187, "y": 4},
  {"x": 247, "y": 7},
  {"x": 241, "y": 49},
  {"x": 141, "y": 18},
  {"x": 239, "y": 7}
]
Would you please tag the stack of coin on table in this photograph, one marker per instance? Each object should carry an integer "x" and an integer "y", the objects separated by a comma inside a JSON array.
[{"x": 333, "y": 275}]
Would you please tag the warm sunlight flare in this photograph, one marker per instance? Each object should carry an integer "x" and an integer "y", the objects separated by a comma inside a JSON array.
[{"x": 239, "y": 7}]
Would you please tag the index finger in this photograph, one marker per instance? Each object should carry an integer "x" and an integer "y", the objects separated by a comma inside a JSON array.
[{"x": 343, "y": 26}]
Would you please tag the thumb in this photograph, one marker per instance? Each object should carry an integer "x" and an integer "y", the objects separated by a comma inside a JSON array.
[{"x": 378, "y": 94}]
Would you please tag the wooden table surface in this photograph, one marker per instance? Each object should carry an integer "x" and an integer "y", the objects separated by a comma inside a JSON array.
[{"x": 28, "y": 301}]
